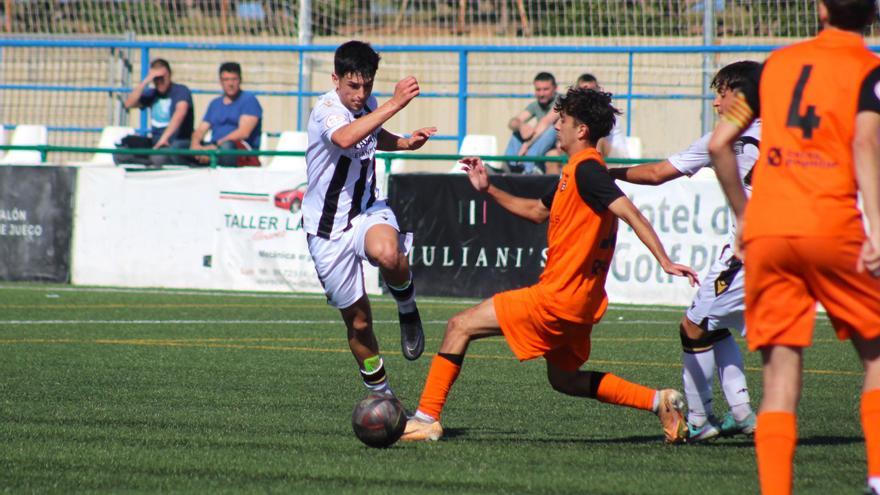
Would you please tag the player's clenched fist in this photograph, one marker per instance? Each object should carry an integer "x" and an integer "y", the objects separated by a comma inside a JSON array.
[{"x": 405, "y": 90}]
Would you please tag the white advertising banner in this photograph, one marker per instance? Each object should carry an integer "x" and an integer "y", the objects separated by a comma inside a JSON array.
[
  {"x": 143, "y": 229},
  {"x": 261, "y": 244},
  {"x": 239, "y": 229},
  {"x": 693, "y": 221},
  {"x": 232, "y": 229}
]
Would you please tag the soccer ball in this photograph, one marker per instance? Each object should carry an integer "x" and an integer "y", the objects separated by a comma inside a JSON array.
[{"x": 378, "y": 420}]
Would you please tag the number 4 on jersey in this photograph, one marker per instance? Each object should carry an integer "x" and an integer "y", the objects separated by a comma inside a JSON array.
[{"x": 809, "y": 120}]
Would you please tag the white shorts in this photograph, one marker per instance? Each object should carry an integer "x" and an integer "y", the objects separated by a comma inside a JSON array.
[
  {"x": 720, "y": 301},
  {"x": 339, "y": 261}
]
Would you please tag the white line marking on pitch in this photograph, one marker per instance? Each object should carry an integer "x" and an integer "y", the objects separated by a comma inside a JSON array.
[
  {"x": 319, "y": 297},
  {"x": 262, "y": 322}
]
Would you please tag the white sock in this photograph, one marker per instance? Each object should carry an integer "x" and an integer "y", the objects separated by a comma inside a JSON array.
[
  {"x": 656, "y": 406},
  {"x": 733, "y": 378},
  {"x": 424, "y": 417},
  {"x": 382, "y": 388},
  {"x": 874, "y": 482},
  {"x": 697, "y": 375}
]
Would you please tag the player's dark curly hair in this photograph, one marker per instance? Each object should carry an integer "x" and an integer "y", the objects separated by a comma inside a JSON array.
[
  {"x": 589, "y": 107},
  {"x": 851, "y": 15},
  {"x": 356, "y": 57},
  {"x": 737, "y": 75}
]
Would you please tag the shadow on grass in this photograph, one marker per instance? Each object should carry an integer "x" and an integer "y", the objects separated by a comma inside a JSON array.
[
  {"x": 825, "y": 441},
  {"x": 498, "y": 436}
]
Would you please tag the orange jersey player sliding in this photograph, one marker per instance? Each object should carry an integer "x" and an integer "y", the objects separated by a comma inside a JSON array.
[
  {"x": 554, "y": 318},
  {"x": 803, "y": 236}
]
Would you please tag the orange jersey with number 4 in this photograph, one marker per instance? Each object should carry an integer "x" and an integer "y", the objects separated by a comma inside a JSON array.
[{"x": 804, "y": 184}]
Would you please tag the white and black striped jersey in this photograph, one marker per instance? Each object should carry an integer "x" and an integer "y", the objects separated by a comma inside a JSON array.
[
  {"x": 691, "y": 160},
  {"x": 341, "y": 182}
]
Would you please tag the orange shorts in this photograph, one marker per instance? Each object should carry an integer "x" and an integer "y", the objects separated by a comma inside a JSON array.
[
  {"x": 531, "y": 331},
  {"x": 786, "y": 276}
]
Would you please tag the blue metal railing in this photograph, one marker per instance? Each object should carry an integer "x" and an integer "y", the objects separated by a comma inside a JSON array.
[{"x": 462, "y": 94}]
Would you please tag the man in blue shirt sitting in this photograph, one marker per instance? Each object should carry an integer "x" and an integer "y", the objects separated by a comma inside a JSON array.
[
  {"x": 234, "y": 119},
  {"x": 171, "y": 111}
]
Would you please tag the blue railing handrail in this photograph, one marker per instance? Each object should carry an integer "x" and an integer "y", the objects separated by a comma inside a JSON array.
[{"x": 463, "y": 51}]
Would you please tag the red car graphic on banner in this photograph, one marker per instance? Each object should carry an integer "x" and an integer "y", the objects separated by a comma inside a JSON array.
[{"x": 291, "y": 199}]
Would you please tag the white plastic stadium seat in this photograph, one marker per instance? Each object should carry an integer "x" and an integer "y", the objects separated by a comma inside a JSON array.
[
  {"x": 398, "y": 166},
  {"x": 109, "y": 137},
  {"x": 264, "y": 145},
  {"x": 2, "y": 138},
  {"x": 477, "y": 145},
  {"x": 26, "y": 135},
  {"x": 290, "y": 141},
  {"x": 633, "y": 147}
]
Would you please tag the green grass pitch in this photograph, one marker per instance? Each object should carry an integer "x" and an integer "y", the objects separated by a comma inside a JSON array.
[{"x": 106, "y": 390}]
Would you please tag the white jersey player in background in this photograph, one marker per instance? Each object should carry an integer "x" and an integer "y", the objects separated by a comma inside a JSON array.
[
  {"x": 719, "y": 304},
  {"x": 345, "y": 215}
]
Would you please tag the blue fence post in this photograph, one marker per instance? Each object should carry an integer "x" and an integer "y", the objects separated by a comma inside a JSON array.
[
  {"x": 145, "y": 68},
  {"x": 462, "y": 95},
  {"x": 299, "y": 91},
  {"x": 629, "y": 94}
]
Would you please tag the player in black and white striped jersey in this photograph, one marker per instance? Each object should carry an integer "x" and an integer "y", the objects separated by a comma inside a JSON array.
[
  {"x": 345, "y": 214},
  {"x": 719, "y": 304}
]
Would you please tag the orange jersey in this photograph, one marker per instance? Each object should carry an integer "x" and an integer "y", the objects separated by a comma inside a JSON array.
[
  {"x": 804, "y": 183},
  {"x": 580, "y": 244}
]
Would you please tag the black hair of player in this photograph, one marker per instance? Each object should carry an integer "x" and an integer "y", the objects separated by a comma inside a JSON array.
[
  {"x": 356, "y": 57},
  {"x": 589, "y": 107},
  {"x": 586, "y": 77},
  {"x": 160, "y": 62},
  {"x": 851, "y": 15},
  {"x": 545, "y": 76},
  {"x": 231, "y": 67},
  {"x": 737, "y": 76}
]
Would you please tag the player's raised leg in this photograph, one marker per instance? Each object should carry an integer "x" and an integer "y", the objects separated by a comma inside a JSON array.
[
  {"x": 384, "y": 247},
  {"x": 471, "y": 324}
]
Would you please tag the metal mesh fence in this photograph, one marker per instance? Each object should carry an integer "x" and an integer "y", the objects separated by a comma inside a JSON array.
[
  {"x": 418, "y": 22},
  {"x": 530, "y": 21}
]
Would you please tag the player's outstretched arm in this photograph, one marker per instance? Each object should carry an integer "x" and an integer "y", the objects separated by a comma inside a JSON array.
[
  {"x": 388, "y": 141},
  {"x": 627, "y": 211},
  {"x": 353, "y": 133},
  {"x": 532, "y": 210},
  {"x": 651, "y": 174},
  {"x": 866, "y": 154}
]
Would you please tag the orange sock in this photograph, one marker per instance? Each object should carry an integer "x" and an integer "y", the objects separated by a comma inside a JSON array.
[
  {"x": 871, "y": 427},
  {"x": 440, "y": 379},
  {"x": 775, "y": 440},
  {"x": 616, "y": 390}
]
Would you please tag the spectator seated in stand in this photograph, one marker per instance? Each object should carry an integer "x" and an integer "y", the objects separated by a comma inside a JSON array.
[
  {"x": 171, "y": 115},
  {"x": 235, "y": 119},
  {"x": 533, "y": 140}
]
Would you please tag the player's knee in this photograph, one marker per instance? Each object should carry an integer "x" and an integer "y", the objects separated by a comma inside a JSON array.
[
  {"x": 457, "y": 328},
  {"x": 704, "y": 341},
  {"x": 361, "y": 324},
  {"x": 560, "y": 384},
  {"x": 560, "y": 381},
  {"x": 389, "y": 258}
]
